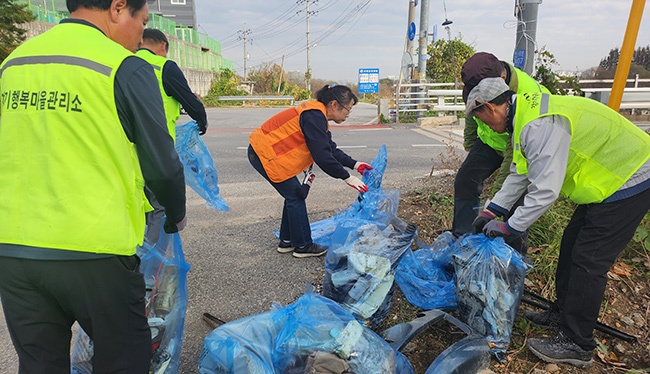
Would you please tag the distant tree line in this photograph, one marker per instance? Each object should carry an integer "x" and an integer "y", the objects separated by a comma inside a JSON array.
[{"x": 607, "y": 66}]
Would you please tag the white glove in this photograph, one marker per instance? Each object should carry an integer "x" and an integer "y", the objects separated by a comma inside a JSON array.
[
  {"x": 361, "y": 167},
  {"x": 357, "y": 184}
]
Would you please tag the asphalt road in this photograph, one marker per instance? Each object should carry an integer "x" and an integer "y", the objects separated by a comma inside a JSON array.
[{"x": 235, "y": 270}]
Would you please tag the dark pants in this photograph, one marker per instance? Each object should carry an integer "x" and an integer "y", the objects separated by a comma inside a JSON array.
[
  {"x": 595, "y": 236},
  {"x": 481, "y": 162},
  {"x": 295, "y": 222},
  {"x": 42, "y": 299}
]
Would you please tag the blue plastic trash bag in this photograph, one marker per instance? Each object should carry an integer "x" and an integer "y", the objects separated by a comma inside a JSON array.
[
  {"x": 198, "y": 165},
  {"x": 165, "y": 274},
  {"x": 289, "y": 340},
  {"x": 426, "y": 276},
  {"x": 360, "y": 267},
  {"x": 374, "y": 205},
  {"x": 489, "y": 284},
  {"x": 372, "y": 178}
]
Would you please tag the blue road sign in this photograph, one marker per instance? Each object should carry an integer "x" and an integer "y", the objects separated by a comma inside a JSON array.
[
  {"x": 368, "y": 80},
  {"x": 412, "y": 31}
]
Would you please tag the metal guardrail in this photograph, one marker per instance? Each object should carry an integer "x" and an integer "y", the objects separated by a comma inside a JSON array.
[{"x": 244, "y": 99}]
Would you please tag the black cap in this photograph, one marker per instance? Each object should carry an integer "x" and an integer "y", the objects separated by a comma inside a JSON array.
[{"x": 480, "y": 65}]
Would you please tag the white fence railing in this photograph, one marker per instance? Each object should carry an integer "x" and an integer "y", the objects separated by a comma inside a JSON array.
[{"x": 417, "y": 98}]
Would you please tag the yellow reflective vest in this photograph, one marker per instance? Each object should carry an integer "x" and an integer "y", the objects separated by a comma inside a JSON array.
[
  {"x": 172, "y": 106},
  {"x": 280, "y": 144},
  {"x": 605, "y": 150},
  {"x": 69, "y": 176}
]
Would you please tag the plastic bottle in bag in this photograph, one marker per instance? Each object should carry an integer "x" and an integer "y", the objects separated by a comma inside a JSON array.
[{"x": 166, "y": 293}]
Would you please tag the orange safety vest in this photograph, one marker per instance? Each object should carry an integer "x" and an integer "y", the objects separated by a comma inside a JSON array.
[{"x": 280, "y": 144}]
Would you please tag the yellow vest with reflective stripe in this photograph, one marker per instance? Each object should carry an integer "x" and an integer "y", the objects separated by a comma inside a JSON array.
[
  {"x": 69, "y": 177},
  {"x": 172, "y": 106},
  {"x": 280, "y": 144},
  {"x": 605, "y": 150},
  {"x": 498, "y": 141}
]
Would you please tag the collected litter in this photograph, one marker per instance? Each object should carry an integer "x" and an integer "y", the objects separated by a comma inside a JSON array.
[
  {"x": 298, "y": 338},
  {"x": 489, "y": 278},
  {"x": 360, "y": 266},
  {"x": 165, "y": 274}
]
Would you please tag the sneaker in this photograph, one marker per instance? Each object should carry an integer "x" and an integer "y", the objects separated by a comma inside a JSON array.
[
  {"x": 548, "y": 319},
  {"x": 561, "y": 350},
  {"x": 310, "y": 250},
  {"x": 284, "y": 246}
]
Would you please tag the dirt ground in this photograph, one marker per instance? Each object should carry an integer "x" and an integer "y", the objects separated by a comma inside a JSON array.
[{"x": 626, "y": 306}]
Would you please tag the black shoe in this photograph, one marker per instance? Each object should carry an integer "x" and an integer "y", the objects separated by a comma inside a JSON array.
[
  {"x": 548, "y": 319},
  {"x": 310, "y": 250},
  {"x": 561, "y": 350},
  {"x": 284, "y": 246}
]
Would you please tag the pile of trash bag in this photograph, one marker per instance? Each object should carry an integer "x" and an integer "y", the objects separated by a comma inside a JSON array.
[
  {"x": 309, "y": 335},
  {"x": 426, "y": 276},
  {"x": 360, "y": 266},
  {"x": 165, "y": 274},
  {"x": 489, "y": 278},
  {"x": 198, "y": 166}
]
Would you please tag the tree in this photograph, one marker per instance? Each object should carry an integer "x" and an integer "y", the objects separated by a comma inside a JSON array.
[
  {"x": 446, "y": 58},
  {"x": 266, "y": 78},
  {"x": 640, "y": 64},
  {"x": 556, "y": 83},
  {"x": 11, "y": 34},
  {"x": 610, "y": 62}
]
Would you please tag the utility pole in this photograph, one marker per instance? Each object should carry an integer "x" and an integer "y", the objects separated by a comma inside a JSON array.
[
  {"x": 422, "y": 55},
  {"x": 281, "y": 68},
  {"x": 308, "y": 72},
  {"x": 410, "y": 43},
  {"x": 423, "y": 41},
  {"x": 244, "y": 34},
  {"x": 526, "y": 13}
]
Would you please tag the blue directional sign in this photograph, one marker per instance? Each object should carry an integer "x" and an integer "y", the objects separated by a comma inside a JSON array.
[
  {"x": 368, "y": 80},
  {"x": 411, "y": 31}
]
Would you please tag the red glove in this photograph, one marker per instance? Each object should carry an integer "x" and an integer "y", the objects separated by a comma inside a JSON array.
[
  {"x": 357, "y": 184},
  {"x": 362, "y": 166}
]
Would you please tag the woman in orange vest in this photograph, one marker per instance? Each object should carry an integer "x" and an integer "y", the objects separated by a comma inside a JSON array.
[{"x": 289, "y": 143}]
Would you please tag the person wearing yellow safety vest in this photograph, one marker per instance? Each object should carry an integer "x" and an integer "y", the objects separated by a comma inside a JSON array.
[
  {"x": 487, "y": 150},
  {"x": 289, "y": 143},
  {"x": 76, "y": 149},
  {"x": 175, "y": 92},
  {"x": 173, "y": 85},
  {"x": 582, "y": 149}
]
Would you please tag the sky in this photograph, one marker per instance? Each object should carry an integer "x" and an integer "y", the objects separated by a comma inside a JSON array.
[{"x": 347, "y": 35}]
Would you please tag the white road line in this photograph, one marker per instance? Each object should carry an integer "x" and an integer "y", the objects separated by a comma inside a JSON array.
[
  {"x": 352, "y": 146},
  {"x": 242, "y": 147},
  {"x": 376, "y": 129}
]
